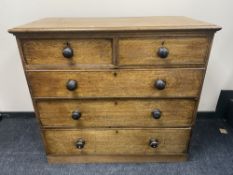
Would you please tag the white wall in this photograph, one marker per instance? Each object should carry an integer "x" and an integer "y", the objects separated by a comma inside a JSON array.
[{"x": 14, "y": 94}]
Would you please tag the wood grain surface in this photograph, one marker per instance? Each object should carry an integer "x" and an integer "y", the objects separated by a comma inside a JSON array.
[
  {"x": 116, "y": 65},
  {"x": 117, "y": 141},
  {"x": 119, "y": 83},
  {"x": 49, "y": 52},
  {"x": 114, "y": 24},
  {"x": 116, "y": 112},
  {"x": 182, "y": 50},
  {"x": 117, "y": 159}
]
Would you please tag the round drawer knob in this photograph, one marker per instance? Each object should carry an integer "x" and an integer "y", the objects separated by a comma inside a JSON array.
[
  {"x": 80, "y": 143},
  {"x": 160, "y": 84},
  {"x": 71, "y": 85},
  {"x": 68, "y": 52},
  {"x": 156, "y": 114},
  {"x": 153, "y": 143},
  {"x": 76, "y": 115},
  {"x": 163, "y": 52}
]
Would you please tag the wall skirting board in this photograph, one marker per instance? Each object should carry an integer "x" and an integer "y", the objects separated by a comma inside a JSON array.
[{"x": 16, "y": 114}]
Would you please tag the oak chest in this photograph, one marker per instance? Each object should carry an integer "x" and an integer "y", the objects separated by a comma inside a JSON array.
[{"x": 115, "y": 89}]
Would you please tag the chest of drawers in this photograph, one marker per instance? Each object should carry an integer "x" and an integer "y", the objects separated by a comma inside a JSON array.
[{"x": 115, "y": 89}]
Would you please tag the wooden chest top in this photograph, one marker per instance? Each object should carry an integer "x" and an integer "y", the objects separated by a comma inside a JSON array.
[{"x": 115, "y": 24}]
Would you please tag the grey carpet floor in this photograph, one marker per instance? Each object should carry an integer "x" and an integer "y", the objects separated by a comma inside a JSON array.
[{"x": 22, "y": 153}]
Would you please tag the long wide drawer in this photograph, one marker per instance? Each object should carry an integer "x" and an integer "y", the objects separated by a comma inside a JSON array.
[
  {"x": 69, "y": 52},
  {"x": 118, "y": 83},
  {"x": 116, "y": 113},
  {"x": 163, "y": 51},
  {"x": 117, "y": 141}
]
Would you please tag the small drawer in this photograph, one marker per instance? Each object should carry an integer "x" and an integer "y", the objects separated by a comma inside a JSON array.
[
  {"x": 67, "y": 52},
  {"x": 118, "y": 83},
  {"x": 117, "y": 141},
  {"x": 163, "y": 51},
  {"x": 116, "y": 113}
]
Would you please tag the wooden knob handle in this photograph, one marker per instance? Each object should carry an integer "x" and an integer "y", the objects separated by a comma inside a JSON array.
[
  {"x": 156, "y": 114},
  {"x": 68, "y": 51},
  {"x": 80, "y": 143},
  {"x": 71, "y": 85},
  {"x": 163, "y": 52},
  {"x": 160, "y": 84},
  {"x": 76, "y": 115},
  {"x": 153, "y": 143}
]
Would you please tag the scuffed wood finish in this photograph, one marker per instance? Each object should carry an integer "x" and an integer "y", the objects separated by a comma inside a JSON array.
[
  {"x": 117, "y": 141},
  {"x": 117, "y": 159},
  {"x": 182, "y": 50},
  {"x": 116, "y": 113},
  {"x": 116, "y": 65},
  {"x": 49, "y": 52},
  {"x": 119, "y": 83},
  {"x": 115, "y": 24}
]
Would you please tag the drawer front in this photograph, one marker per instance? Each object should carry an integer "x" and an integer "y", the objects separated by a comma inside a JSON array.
[
  {"x": 120, "y": 83},
  {"x": 117, "y": 141},
  {"x": 116, "y": 113},
  {"x": 163, "y": 51},
  {"x": 84, "y": 51}
]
